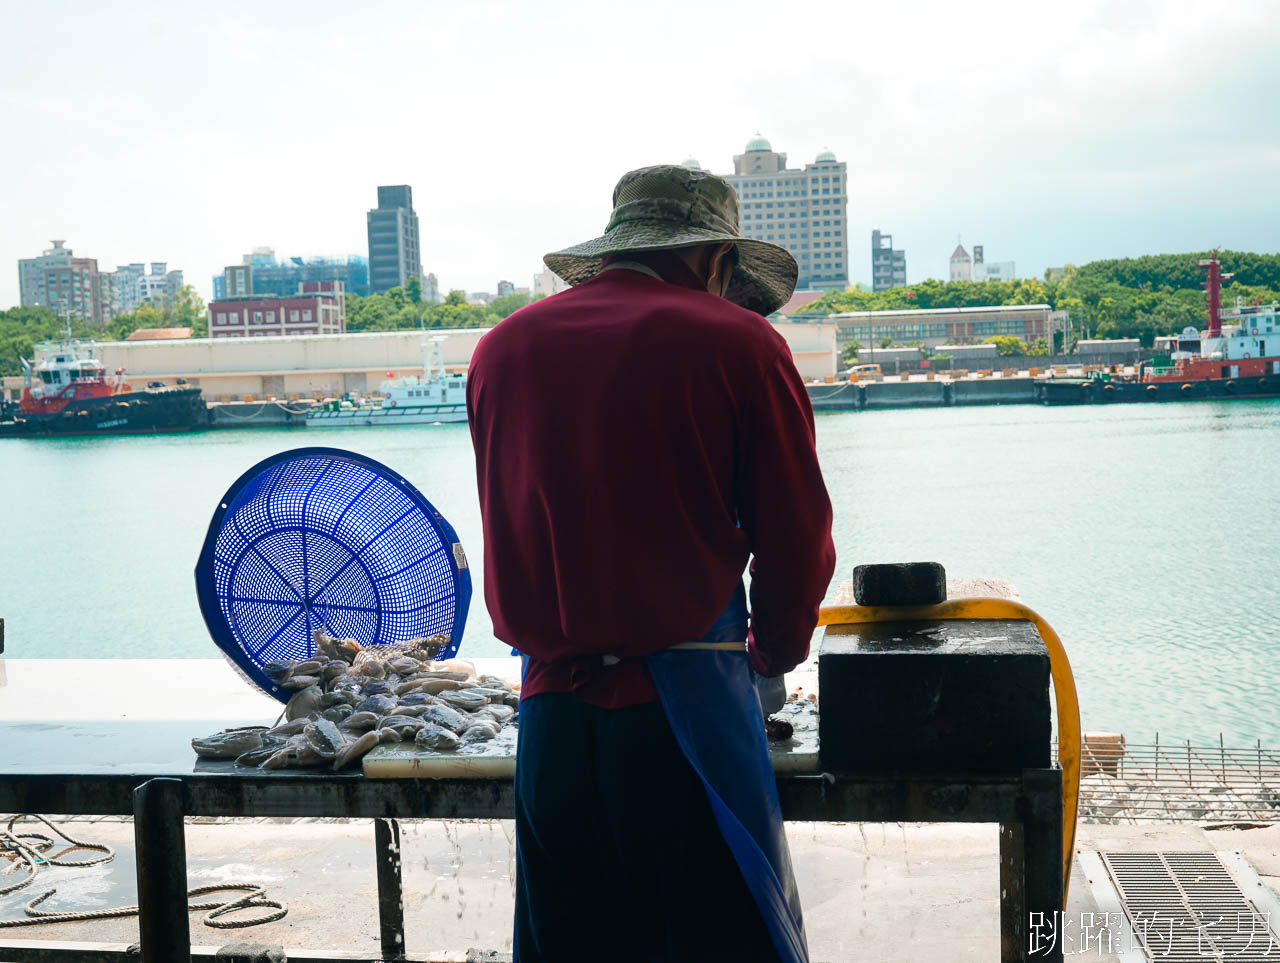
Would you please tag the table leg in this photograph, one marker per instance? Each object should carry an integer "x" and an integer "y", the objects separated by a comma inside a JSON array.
[
  {"x": 160, "y": 850},
  {"x": 1033, "y": 921},
  {"x": 1042, "y": 863},
  {"x": 1013, "y": 897},
  {"x": 386, "y": 840}
]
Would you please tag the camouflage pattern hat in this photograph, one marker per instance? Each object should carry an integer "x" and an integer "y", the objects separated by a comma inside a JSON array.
[{"x": 666, "y": 207}]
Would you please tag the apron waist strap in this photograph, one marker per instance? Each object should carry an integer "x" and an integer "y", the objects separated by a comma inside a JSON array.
[
  {"x": 713, "y": 646},
  {"x": 717, "y": 646}
]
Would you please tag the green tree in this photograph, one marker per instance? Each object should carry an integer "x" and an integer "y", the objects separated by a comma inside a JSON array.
[
  {"x": 21, "y": 329},
  {"x": 508, "y": 305},
  {"x": 395, "y": 311},
  {"x": 414, "y": 290},
  {"x": 886, "y": 342},
  {"x": 1008, "y": 345},
  {"x": 850, "y": 353},
  {"x": 186, "y": 310}
]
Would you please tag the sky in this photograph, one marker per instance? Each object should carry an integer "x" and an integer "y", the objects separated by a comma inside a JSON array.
[{"x": 1050, "y": 133}]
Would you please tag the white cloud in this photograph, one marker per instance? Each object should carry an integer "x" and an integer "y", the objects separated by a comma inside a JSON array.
[{"x": 1049, "y": 133}]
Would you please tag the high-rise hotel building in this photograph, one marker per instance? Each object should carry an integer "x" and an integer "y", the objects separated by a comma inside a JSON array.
[{"x": 801, "y": 210}]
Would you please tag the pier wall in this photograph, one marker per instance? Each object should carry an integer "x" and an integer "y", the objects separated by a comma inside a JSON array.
[
  {"x": 837, "y": 397},
  {"x": 875, "y": 395},
  {"x": 993, "y": 391},
  {"x": 257, "y": 414},
  {"x": 905, "y": 394}
]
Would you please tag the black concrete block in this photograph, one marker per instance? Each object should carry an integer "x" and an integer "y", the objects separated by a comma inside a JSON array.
[
  {"x": 934, "y": 696},
  {"x": 900, "y": 583}
]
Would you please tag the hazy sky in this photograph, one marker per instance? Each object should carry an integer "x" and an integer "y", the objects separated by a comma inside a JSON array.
[{"x": 1048, "y": 132}]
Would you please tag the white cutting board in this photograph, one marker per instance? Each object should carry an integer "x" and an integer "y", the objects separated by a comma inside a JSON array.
[{"x": 497, "y": 759}]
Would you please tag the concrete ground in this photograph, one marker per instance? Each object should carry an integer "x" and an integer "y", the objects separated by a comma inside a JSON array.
[{"x": 884, "y": 892}]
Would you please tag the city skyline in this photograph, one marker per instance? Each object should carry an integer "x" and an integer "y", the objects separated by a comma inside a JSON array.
[{"x": 1139, "y": 129}]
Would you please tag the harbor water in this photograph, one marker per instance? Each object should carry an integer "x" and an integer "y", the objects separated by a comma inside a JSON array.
[{"x": 1146, "y": 535}]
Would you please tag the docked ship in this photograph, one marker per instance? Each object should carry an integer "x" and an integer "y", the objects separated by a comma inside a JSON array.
[
  {"x": 68, "y": 392},
  {"x": 437, "y": 398},
  {"x": 1238, "y": 355}
]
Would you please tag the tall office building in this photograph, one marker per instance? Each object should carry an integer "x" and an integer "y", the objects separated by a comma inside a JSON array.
[
  {"x": 69, "y": 285},
  {"x": 801, "y": 210},
  {"x": 32, "y": 287},
  {"x": 888, "y": 267},
  {"x": 237, "y": 281},
  {"x": 134, "y": 286},
  {"x": 394, "y": 254}
]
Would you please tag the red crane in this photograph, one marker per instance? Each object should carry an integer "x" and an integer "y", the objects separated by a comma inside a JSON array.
[{"x": 1213, "y": 284}]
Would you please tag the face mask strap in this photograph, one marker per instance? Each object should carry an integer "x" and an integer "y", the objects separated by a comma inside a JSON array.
[{"x": 731, "y": 260}]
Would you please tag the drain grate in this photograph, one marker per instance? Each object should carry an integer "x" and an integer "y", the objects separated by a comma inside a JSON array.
[{"x": 1187, "y": 907}]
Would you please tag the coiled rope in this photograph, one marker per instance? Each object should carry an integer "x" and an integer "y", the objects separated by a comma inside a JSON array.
[{"x": 29, "y": 849}]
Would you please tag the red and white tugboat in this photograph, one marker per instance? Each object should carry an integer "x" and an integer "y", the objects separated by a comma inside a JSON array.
[
  {"x": 1243, "y": 359},
  {"x": 68, "y": 392}
]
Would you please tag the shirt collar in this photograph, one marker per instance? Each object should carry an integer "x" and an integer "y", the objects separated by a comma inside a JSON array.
[
  {"x": 682, "y": 276},
  {"x": 631, "y": 266}
]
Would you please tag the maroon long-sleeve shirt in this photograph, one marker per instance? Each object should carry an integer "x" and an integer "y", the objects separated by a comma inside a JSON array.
[{"x": 622, "y": 430}]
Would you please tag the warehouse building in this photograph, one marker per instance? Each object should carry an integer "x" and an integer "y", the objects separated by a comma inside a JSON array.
[
  {"x": 938, "y": 326},
  {"x": 292, "y": 366}
]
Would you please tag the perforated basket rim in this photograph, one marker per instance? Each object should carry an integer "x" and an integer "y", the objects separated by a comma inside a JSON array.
[{"x": 206, "y": 584}]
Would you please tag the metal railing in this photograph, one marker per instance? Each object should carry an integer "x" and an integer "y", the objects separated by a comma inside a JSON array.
[{"x": 1178, "y": 782}]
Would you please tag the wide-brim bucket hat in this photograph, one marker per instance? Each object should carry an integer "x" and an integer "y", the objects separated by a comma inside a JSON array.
[{"x": 668, "y": 207}]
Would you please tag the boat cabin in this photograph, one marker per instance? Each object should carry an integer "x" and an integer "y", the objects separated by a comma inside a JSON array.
[{"x": 1256, "y": 335}]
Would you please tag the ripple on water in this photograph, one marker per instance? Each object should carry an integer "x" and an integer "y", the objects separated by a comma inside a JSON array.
[{"x": 1145, "y": 534}]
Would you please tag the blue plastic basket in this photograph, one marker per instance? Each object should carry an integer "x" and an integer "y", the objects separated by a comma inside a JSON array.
[{"x": 321, "y": 538}]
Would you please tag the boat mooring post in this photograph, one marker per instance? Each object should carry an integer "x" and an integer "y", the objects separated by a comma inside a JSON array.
[
  {"x": 950, "y": 711},
  {"x": 160, "y": 849}
]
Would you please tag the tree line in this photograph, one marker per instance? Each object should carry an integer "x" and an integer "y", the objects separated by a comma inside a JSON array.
[
  {"x": 22, "y": 328},
  {"x": 404, "y": 307},
  {"x": 1118, "y": 298}
]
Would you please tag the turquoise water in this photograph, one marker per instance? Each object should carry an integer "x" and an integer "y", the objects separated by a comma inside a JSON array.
[{"x": 1147, "y": 536}]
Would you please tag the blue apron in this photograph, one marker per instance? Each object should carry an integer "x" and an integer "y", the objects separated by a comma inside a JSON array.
[{"x": 709, "y": 697}]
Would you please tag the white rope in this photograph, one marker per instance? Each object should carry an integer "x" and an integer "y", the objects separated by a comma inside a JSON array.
[{"x": 29, "y": 849}]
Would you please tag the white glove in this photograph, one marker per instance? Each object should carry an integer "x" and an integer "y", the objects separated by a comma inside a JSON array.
[{"x": 772, "y": 693}]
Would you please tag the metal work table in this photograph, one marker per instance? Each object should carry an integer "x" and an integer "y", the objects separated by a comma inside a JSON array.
[
  {"x": 57, "y": 760},
  {"x": 99, "y": 769}
]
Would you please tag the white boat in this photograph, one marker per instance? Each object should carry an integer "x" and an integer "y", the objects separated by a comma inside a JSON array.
[{"x": 437, "y": 398}]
